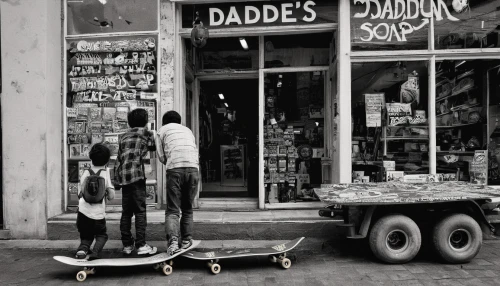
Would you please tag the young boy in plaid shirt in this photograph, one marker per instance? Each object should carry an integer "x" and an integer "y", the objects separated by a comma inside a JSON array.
[{"x": 130, "y": 177}]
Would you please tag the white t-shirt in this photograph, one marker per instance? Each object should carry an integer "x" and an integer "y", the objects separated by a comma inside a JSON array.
[
  {"x": 176, "y": 147},
  {"x": 96, "y": 211}
]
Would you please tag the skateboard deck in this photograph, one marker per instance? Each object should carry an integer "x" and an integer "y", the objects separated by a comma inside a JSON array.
[
  {"x": 159, "y": 260},
  {"x": 276, "y": 253},
  {"x": 404, "y": 193}
]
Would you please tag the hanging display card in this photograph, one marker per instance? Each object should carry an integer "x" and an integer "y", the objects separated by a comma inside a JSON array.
[
  {"x": 479, "y": 167},
  {"x": 374, "y": 102}
]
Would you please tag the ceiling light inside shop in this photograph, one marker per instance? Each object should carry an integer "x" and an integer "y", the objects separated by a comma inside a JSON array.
[
  {"x": 317, "y": 124},
  {"x": 221, "y": 96},
  {"x": 460, "y": 63},
  {"x": 244, "y": 44},
  {"x": 226, "y": 104}
]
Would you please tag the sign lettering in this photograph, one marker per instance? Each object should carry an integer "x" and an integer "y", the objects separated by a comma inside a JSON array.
[
  {"x": 402, "y": 11},
  {"x": 270, "y": 13}
]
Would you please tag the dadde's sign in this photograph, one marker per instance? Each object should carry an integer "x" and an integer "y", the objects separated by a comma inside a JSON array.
[{"x": 272, "y": 13}]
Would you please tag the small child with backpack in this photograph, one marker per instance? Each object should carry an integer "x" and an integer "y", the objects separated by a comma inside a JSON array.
[{"x": 95, "y": 186}]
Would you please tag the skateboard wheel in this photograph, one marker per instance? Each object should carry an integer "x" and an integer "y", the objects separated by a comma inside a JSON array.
[
  {"x": 171, "y": 263},
  {"x": 215, "y": 268},
  {"x": 81, "y": 276},
  {"x": 272, "y": 258},
  {"x": 167, "y": 269},
  {"x": 286, "y": 263}
]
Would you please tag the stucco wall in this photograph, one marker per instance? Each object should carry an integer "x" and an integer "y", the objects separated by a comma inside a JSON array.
[{"x": 31, "y": 114}]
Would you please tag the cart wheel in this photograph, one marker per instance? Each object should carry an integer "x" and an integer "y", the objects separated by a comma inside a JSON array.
[
  {"x": 395, "y": 238},
  {"x": 156, "y": 266},
  {"x": 215, "y": 268},
  {"x": 81, "y": 276},
  {"x": 167, "y": 269},
  {"x": 457, "y": 238},
  {"x": 272, "y": 258},
  {"x": 286, "y": 263}
]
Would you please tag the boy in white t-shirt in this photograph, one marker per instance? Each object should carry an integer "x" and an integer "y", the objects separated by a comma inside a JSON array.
[{"x": 91, "y": 222}]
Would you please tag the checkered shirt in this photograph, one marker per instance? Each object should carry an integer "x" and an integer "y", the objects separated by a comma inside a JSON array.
[{"x": 133, "y": 146}]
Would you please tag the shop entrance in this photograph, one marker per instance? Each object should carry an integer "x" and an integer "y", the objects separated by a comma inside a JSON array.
[{"x": 228, "y": 137}]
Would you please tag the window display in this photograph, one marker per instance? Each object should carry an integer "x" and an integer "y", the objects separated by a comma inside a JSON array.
[
  {"x": 390, "y": 134},
  {"x": 107, "y": 79},
  {"x": 293, "y": 135},
  {"x": 466, "y": 117}
]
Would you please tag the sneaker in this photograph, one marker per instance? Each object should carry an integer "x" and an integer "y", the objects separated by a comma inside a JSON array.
[
  {"x": 146, "y": 249},
  {"x": 128, "y": 249},
  {"x": 173, "y": 248},
  {"x": 81, "y": 254},
  {"x": 186, "y": 243}
]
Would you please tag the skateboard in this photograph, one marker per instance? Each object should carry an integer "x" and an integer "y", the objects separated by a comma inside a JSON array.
[
  {"x": 276, "y": 253},
  {"x": 160, "y": 260}
]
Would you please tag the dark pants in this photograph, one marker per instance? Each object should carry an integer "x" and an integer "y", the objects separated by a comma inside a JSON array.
[
  {"x": 182, "y": 186},
  {"x": 134, "y": 203},
  {"x": 90, "y": 229}
]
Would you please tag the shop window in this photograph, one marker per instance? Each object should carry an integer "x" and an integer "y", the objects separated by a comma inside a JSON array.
[
  {"x": 111, "y": 16},
  {"x": 107, "y": 78},
  {"x": 229, "y": 54},
  {"x": 297, "y": 50},
  {"x": 389, "y": 25},
  {"x": 467, "y": 115},
  {"x": 390, "y": 134},
  {"x": 474, "y": 24},
  {"x": 293, "y": 135}
]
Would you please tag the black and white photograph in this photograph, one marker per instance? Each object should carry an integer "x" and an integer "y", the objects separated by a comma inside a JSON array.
[{"x": 245, "y": 142}]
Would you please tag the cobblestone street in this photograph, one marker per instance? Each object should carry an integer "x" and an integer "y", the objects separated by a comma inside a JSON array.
[{"x": 345, "y": 263}]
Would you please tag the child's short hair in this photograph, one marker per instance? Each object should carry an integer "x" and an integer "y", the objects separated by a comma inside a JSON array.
[
  {"x": 171, "y": 117},
  {"x": 99, "y": 154},
  {"x": 137, "y": 118}
]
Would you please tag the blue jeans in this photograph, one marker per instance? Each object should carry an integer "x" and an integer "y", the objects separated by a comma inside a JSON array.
[
  {"x": 134, "y": 204},
  {"x": 182, "y": 186}
]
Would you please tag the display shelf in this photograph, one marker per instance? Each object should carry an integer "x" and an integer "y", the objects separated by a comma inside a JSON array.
[
  {"x": 464, "y": 107},
  {"x": 455, "y": 93},
  {"x": 456, "y": 126},
  {"x": 409, "y": 126},
  {"x": 361, "y": 138},
  {"x": 465, "y": 74},
  {"x": 456, "y": 152},
  {"x": 392, "y": 138}
]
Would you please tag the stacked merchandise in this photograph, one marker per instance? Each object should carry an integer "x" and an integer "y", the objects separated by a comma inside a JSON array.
[
  {"x": 106, "y": 80},
  {"x": 279, "y": 161}
]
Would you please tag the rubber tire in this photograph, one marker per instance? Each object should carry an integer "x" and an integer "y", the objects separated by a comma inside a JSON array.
[
  {"x": 383, "y": 227},
  {"x": 286, "y": 263},
  {"x": 442, "y": 231}
]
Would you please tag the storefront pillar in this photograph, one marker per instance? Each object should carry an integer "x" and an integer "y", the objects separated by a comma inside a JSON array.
[
  {"x": 31, "y": 115},
  {"x": 342, "y": 156},
  {"x": 168, "y": 97}
]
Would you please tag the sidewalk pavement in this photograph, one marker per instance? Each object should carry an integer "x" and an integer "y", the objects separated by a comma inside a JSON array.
[{"x": 348, "y": 262}]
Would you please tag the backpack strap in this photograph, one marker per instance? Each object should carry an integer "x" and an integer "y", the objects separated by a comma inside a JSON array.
[
  {"x": 99, "y": 172},
  {"x": 91, "y": 172}
]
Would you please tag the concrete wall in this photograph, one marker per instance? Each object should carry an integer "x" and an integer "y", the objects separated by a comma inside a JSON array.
[{"x": 31, "y": 103}]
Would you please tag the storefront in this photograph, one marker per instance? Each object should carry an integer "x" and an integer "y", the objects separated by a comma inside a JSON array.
[{"x": 268, "y": 93}]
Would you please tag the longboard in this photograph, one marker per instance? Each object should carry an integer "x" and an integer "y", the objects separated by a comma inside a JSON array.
[
  {"x": 404, "y": 193},
  {"x": 276, "y": 253},
  {"x": 160, "y": 260}
]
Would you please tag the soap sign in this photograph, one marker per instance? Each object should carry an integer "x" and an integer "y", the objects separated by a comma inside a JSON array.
[{"x": 395, "y": 20}]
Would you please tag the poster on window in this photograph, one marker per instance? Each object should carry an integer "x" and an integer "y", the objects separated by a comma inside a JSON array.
[
  {"x": 398, "y": 113},
  {"x": 374, "y": 103}
]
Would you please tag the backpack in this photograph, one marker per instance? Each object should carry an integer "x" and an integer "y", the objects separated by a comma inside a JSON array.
[{"x": 94, "y": 188}]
